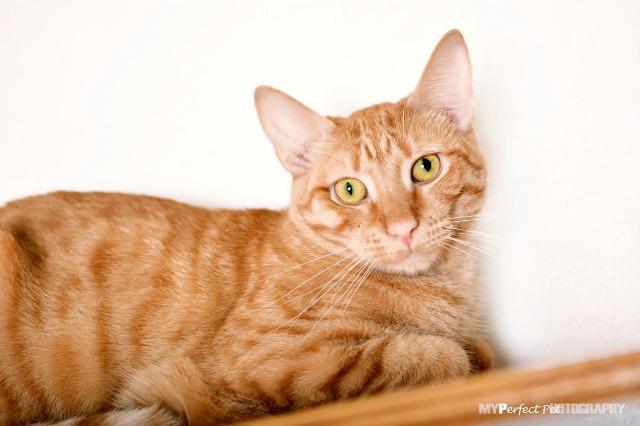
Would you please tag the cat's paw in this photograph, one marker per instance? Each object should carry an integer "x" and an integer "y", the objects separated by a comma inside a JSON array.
[
  {"x": 448, "y": 360},
  {"x": 426, "y": 359},
  {"x": 480, "y": 355}
]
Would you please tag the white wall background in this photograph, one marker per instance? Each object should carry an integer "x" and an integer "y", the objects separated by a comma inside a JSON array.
[{"x": 155, "y": 96}]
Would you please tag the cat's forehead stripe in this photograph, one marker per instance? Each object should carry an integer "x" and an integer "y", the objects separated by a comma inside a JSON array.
[{"x": 380, "y": 131}]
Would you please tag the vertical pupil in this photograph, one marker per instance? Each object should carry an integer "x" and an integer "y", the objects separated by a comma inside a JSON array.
[
  {"x": 426, "y": 164},
  {"x": 349, "y": 188}
]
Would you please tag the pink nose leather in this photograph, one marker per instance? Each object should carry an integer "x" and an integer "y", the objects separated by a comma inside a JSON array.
[{"x": 402, "y": 230}]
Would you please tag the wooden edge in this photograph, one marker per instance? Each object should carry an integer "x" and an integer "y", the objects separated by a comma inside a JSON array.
[{"x": 613, "y": 378}]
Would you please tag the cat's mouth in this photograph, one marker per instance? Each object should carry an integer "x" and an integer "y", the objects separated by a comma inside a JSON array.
[
  {"x": 412, "y": 263},
  {"x": 416, "y": 258},
  {"x": 412, "y": 260}
]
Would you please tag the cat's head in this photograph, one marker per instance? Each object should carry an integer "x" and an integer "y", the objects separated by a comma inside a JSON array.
[{"x": 387, "y": 181}]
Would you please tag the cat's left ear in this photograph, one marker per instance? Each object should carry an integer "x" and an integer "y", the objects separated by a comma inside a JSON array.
[
  {"x": 446, "y": 82},
  {"x": 291, "y": 127}
]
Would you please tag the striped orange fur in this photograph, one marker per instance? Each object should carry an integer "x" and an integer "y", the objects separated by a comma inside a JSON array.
[{"x": 121, "y": 308}]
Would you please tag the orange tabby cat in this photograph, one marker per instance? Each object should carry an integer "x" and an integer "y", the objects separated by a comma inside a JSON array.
[{"x": 121, "y": 309}]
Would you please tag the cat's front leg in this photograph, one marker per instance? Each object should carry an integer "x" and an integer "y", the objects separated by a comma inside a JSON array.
[
  {"x": 325, "y": 370},
  {"x": 406, "y": 360}
]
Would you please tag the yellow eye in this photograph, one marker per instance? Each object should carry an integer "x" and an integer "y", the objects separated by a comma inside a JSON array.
[
  {"x": 426, "y": 168},
  {"x": 350, "y": 190}
]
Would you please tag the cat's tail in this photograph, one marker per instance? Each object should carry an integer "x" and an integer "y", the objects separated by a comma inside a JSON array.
[
  {"x": 10, "y": 266},
  {"x": 147, "y": 416},
  {"x": 8, "y": 251}
]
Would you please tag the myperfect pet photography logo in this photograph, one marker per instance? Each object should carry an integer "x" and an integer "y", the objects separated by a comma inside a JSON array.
[{"x": 559, "y": 408}]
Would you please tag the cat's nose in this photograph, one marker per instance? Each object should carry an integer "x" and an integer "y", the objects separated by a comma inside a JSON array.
[{"x": 403, "y": 230}]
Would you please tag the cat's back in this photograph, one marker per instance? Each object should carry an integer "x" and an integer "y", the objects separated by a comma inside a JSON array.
[
  {"x": 95, "y": 285},
  {"x": 80, "y": 224},
  {"x": 87, "y": 210},
  {"x": 116, "y": 242}
]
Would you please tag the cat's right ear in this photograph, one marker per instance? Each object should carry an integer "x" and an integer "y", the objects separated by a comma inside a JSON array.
[
  {"x": 446, "y": 83},
  {"x": 291, "y": 127}
]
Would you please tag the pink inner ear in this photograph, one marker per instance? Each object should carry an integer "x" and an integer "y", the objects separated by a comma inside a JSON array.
[
  {"x": 291, "y": 127},
  {"x": 446, "y": 82}
]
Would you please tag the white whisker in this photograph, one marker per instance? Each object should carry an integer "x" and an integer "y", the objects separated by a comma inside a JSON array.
[
  {"x": 342, "y": 273},
  {"x": 302, "y": 264},
  {"x": 481, "y": 215},
  {"x": 310, "y": 278},
  {"x": 354, "y": 283},
  {"x": 371, "y": 266},
  {"x": 475, "y": 247},
  {"x": 478, "y": 219},
  {"x": 478, "y": 233},
  {"x": 337, "y": 299},
  {"x": 465, "y": 253}
]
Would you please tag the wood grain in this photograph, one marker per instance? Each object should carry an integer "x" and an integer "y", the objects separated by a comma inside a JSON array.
[{"x": 611, "y": 379}]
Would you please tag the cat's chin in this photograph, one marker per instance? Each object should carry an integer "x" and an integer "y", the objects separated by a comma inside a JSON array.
[{"x": 414, "y": 263}]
